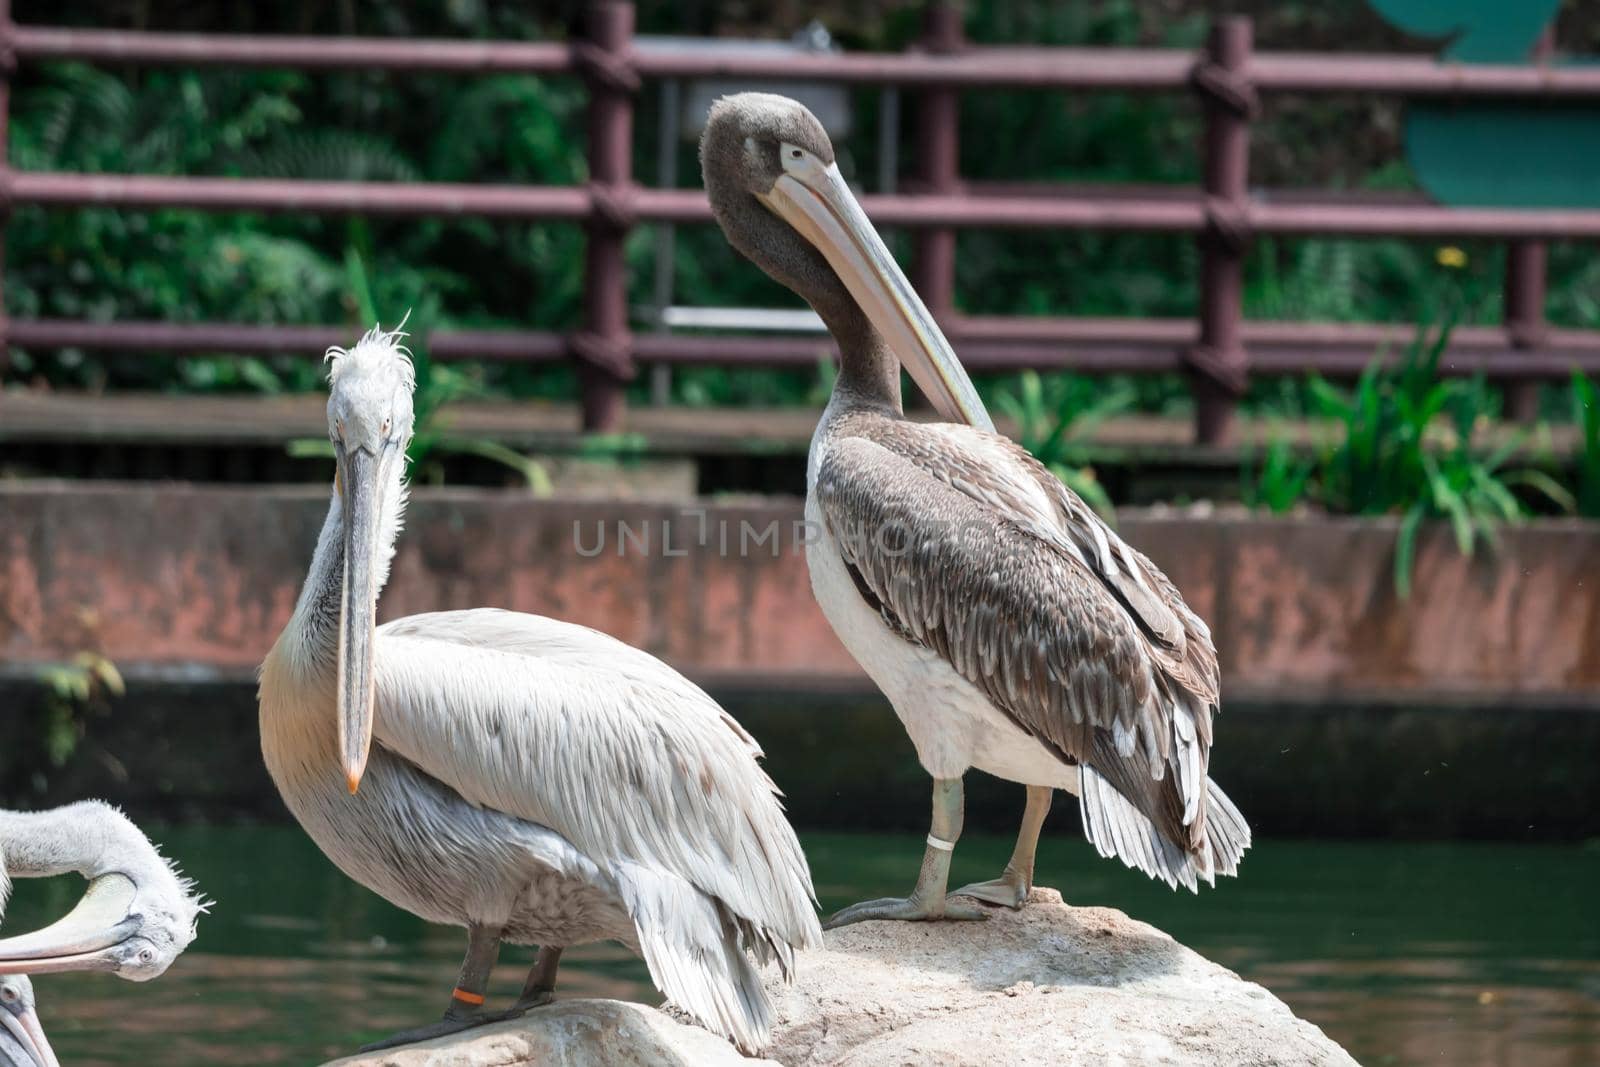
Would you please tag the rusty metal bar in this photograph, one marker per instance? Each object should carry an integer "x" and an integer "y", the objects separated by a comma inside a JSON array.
[
  {"x": 1525, "y": 289},
  {"x": 1218, "y": 365},
  {"x": 298, "y": 53},
  {"x": 1412, "y": 75},
  {"x": 1132, "y": 69},
  {"x": 602, "y": 347},
  {"x": 1071, "y": 206},
  {"x": 1524, "y": 318},
  {"x": 1113, "y": 355},
  {"x": 933, "y": 263},
  {"x": 1052, "y": 68},
  {"x": 1401, "y": 221},
  {"x": 611, "y": 63},
  {"x": 1124, "y": 346},
  {"x": 140, "y": 191},
  {"x": 179, "y": 338},
  {"x": 1367, "y": 337},
  {"x": 1267, "y": 213}
]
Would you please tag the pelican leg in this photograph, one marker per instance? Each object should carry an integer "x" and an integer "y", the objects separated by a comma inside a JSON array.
[
  {"x": 466, "y": 1000},
  {"x": 927, "y": 900},
  {"x": 540, "y": 988},
  {"x": 1012, "y": 887}
]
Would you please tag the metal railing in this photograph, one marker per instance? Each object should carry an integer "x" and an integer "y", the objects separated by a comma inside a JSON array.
[{"x": 1219, "y": 349}]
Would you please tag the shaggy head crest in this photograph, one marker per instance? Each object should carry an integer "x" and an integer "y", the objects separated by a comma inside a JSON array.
[
  {"x": 369, "y": 391},
  {"x": 378, "y": 349}
]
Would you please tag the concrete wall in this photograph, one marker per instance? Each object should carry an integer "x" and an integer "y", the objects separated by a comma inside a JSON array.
[
  {"x": 177, "y": 580},
  {"x": 1467, "y": 711}
]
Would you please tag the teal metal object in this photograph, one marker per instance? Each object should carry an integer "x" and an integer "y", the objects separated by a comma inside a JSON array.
[
  {"x": 1480, "y": 31},
  {"x": 1497, "y": 153}
]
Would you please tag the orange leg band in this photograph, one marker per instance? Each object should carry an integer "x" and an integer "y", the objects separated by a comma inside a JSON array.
[{"x": 466, "y": 998}]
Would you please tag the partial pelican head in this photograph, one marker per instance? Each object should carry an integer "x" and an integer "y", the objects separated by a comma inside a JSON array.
[
  {"x": 370, "y": 423},
  {"x": 764, "y": 151},
  {"x": 136, "y": 917},
  {"x": 20, "y": 1022}
]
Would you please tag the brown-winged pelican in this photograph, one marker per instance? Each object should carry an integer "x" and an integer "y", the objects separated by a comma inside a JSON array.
[
  {"x": 22, "y": 1040},
  {"x": 137, "y": 914},
  {"x": 533, "y": 781},
  {"x": 1011, "y": 629}
]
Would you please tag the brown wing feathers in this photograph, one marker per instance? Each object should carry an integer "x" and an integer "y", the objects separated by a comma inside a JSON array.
[{"x": 1072, "y": 633}]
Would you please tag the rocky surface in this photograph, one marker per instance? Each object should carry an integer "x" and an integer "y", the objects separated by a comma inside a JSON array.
[
  {"x": 570, "y": 1033},
  {"x": 1050, "y": 984}
]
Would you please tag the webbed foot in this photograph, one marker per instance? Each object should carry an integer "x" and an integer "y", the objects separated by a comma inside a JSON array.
[
  {"x": 903, "y": 909},
  {"x": 450, "y": 1024},
  {"x": 528, "y": 1001},
  {"x": 1010, "y": 890}
]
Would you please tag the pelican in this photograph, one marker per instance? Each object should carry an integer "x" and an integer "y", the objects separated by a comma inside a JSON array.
[
  {"x": 533, "y": 781},
  {"x": 22, "y": 1040},
  {"x": 1011, "y": 629},
  {"x": 137, "y": 915}
]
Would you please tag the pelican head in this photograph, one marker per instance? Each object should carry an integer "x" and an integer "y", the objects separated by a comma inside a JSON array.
[
  {"x": 20, "y": 1023},
  {"x": 370, "y": 424},
  {"x": 777, "y": 193},
  {"x": 136, "y": 917}
]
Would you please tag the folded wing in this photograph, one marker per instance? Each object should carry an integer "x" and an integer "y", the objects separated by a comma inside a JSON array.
[
  {"x": 970, "y": 547},
  {"x": 571, "y": 729}
]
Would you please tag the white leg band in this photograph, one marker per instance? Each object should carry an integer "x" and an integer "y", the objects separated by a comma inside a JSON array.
[{"x": 941, "y": 844}]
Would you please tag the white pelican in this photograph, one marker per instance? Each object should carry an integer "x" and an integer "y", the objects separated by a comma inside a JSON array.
[
  {"x": 1011, "y": 629},
  {"x": 533, "y": 781},
  {"x": 22, "y": 1040},
  {"x": 137, "y": 914}
]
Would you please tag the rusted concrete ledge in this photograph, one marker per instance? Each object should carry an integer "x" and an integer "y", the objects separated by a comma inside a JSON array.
[
  {"x": 173, "y": 579},
  {"x": 1468, "y": 711}
]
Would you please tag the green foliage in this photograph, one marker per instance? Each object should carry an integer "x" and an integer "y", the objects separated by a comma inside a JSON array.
[
  {"x": 1405, "y": 448},
  {"x": 1282, "y": 481},
  {"x": 1052, "y": 414},
  {"x": 72, "y": 691},
  {"x": 185, "y": 266},
  {"x": 1586, "y": 414}
]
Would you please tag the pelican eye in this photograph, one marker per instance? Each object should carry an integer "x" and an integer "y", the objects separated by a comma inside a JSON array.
[
  {"x": 9, "y": 994},
  {"x": 385, "y": 430},
  {"x": 147, "y": 955},
  {"x": 794, "y": 153}
]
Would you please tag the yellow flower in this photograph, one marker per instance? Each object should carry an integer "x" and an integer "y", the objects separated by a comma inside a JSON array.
[{"x": 1451, "y": 256}]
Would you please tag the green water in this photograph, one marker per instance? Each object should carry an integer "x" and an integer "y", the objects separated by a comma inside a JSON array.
[{"x": 1465, "y": 954}]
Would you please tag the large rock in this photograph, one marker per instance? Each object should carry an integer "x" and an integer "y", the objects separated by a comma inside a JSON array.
[
  {"x": 570, "y": 1033},
  {"x": 1049, "y": 984}
]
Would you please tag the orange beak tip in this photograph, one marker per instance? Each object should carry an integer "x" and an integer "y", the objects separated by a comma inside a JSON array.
[{"x": 352, "y": 780}]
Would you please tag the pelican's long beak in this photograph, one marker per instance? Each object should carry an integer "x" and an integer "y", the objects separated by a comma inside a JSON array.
[
  {"x": 79, "y": 940},
  {"x": 25, "y": 1030},
  {"x": 358, "y": 480},
  {"x": 815, "y": 200}
]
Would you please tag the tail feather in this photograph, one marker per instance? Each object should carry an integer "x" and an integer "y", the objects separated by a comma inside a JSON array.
[
  {"x": 1117, "y": 828},
  {"x": 695, "y": 951},
  {"x": 1226, "y": 831}
]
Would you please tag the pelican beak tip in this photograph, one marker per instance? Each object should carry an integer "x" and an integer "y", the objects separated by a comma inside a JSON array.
[{"x": 352, "y": 781}]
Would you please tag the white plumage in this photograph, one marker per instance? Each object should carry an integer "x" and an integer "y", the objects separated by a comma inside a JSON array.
[
  {"x": 136, "y": 916},
  {"x": 533, "y": 778}
]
